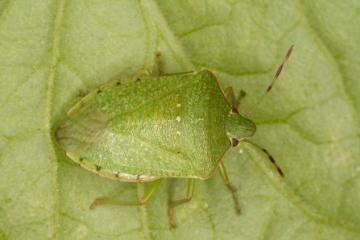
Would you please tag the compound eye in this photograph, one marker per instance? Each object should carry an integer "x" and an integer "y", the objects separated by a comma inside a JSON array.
[{"x": 234, "y": 142}]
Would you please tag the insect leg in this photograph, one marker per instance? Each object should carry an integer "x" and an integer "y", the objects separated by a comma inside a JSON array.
[
  {"x": 241, "y": 95},
  {"x": 272, "y": 160},
  {"x": 231, "y": 187},
  {"x": 230, "y": 96},
  {"x": 159, "y": 64},
  {"x": 82, "y": 93},
  {"x": 143, "y": 200},
  {"x": 173, "y": 204},
  {"x": 232, "y": 99}
]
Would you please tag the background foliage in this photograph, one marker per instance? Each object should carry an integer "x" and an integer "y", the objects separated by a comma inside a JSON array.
[{"x": 51, "y": 50}]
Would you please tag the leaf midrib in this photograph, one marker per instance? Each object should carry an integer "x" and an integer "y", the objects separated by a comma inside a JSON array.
[{"x": 54, "y": 56}]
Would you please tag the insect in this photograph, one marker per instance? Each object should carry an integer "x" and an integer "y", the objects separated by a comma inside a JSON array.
[{"x": 147, "y": 128}]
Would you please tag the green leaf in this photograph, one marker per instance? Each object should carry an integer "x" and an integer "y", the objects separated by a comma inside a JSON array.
[{"x": 52, "y": 50}]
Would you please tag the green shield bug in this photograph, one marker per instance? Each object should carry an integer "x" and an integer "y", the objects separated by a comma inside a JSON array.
[{"x": 144, "y": 129}]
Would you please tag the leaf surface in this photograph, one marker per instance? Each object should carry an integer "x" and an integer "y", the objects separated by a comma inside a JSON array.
[{"x": 53, "y": 50}]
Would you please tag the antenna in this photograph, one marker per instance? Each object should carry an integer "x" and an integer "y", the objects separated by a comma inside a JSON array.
[{"x": 275, "y": 77}]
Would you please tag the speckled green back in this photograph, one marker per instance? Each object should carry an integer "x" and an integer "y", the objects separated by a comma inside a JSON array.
[{"x": 170, "y": 126}]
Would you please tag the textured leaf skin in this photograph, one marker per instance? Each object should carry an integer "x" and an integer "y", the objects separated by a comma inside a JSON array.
[
  {"x": 51, "y": 50},
  {"x": 169, "y": 126}
]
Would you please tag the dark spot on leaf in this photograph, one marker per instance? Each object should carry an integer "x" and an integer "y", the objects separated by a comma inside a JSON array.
[
  {"x": 118, "y": 83},
  {"x": 138, "y": 79},
  {"x": 98, "y": 168},
  {"x": 117, "y": 174},
  {"x": 81, "y": 159},
  {"x": 99, "y": 91}
]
